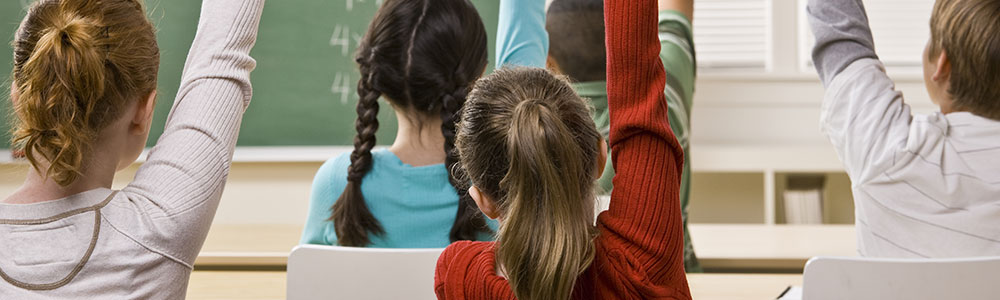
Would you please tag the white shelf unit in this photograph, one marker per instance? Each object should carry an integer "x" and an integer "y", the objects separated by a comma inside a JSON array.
[{"x": 734, "y": 166}]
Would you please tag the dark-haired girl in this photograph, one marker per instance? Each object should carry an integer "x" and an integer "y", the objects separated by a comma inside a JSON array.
[{"x": 421, "y": 57}]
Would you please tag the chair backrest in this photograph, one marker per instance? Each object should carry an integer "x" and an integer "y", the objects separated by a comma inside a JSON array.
[
  {"x": 872, "y": 278},
  {"x": 331, "y": 272}
]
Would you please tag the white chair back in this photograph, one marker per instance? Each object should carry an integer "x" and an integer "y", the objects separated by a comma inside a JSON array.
[
  {"x": 911, "y": 279},
  {"x": 331, "y": 272}
]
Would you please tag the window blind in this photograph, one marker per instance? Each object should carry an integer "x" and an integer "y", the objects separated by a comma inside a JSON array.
[{"x": 732, "y": 33}]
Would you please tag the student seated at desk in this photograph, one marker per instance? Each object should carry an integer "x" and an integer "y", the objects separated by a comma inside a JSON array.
[
  {"x": 576, "y": 37},
  {"x": 422, "y": 57},
  {"x": 84, "y": 89},
  {"x": 925, "y": 185},
  {"x": 533, "y": 154}
]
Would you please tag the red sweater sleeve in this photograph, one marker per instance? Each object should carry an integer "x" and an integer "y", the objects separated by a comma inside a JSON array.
[{"x": 644, "y": 219}]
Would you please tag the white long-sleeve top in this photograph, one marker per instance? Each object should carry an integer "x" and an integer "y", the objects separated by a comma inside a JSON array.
[
  {"x": 924, "y": 185},
  {"x": 141, "y": 242}
]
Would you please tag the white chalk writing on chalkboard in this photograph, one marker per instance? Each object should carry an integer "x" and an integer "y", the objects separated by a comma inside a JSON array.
[
  {"x": 345, "y": 39},
  {"x": 342, "y": 87},
  {"x": 27, "y": 3},
  {"x": 350, "y": 3},
  {"x": 342, "y": 38}
]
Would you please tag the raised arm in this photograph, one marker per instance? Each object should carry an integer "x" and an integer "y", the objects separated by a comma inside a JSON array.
[
  {"x": 521, "y": 36},
  {"x": 862, "y": 114},
  {"x": 179, "y": 186},
  {"x": 842, "y": 35},
  {"x": 685, "y": 7},
  {"x": 678, "y": 58},
  {"x": 644, "y": 219}
]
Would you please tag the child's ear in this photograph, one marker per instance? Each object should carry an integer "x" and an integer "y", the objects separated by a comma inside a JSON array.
[
  {"x": 485, "y": 203},
  {"x": 602, "y": 158},
  {"x": 943, "y": 64},
  {"x": 143, "y": 118}
]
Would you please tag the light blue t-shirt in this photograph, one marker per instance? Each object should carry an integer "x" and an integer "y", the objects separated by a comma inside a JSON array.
[{"x": 416, "y": 205}]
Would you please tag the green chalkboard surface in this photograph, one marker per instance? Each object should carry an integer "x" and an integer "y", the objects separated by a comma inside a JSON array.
[{"x": 305, "y": 78}]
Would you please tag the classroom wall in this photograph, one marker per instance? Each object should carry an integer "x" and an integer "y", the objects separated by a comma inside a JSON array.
[
  {"x": 729, "y": 111},
  {"x": 257, "y": 193},
  {"x": 777, "y": 106}
]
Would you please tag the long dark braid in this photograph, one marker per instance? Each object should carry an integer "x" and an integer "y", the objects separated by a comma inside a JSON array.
[
  {"x": 468, "y": 220},
  {"x": 352, "y": 219},
  {"x": 422, "y": 56}
]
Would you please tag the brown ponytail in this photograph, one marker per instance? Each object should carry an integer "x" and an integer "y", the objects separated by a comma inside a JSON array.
[
  {"x": 528, "y": 142},
  {"x": 77, "y": 64},
  {"x": 422, "y": 56}
]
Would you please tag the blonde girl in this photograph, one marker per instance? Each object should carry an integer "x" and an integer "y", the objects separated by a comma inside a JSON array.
[{"x": 83, "y": 92}]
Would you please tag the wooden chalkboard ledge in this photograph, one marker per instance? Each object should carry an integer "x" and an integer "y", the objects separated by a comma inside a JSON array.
[{"x": 706, "y": 158}]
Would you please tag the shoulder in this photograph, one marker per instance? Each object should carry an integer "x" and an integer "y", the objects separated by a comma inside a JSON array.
[
  {"x": 460, "y": 253},
  {"x": 456, "y": 261},
  {"x": 462, "y": 249},
  {"x": 331, "y": 178},
  {"x": 383, "y": 158},
  {"x": 334, "y": 168},
  {"x": 927, "y": 133}
]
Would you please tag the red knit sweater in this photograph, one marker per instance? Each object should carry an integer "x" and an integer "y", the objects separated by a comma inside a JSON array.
[{"x": 639, "y": 252}]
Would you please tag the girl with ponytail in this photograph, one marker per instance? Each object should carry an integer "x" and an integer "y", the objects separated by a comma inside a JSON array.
[
  {"x": 533, "y": 155},
  {"x": 83, "y": 92},
  {"x": 420, "y": 56}
]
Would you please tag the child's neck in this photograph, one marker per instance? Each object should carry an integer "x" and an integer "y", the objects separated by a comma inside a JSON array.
[
  {"x": 418, "y": 142},
  {"x": 39, "y": 188}
]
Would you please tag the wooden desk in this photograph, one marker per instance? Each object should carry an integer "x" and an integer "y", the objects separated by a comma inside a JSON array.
[
  {"x": 232, "y": 285},
  {"x": 259, "y": 285},
  {"x": 264, "y": 246},
  {"x": 769, "y": 248},
  {"x": 740, "y": 286},
  {"x": 725, "y": 248}
]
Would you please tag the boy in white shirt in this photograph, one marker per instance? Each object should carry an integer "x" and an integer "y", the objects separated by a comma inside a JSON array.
[{"x": 925, "y": 185}]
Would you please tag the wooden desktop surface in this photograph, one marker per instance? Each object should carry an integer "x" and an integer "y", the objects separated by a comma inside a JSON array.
[
  {"x": 742, "y": 248},
  {"x": 260, "y": 285},
  {"x": 783, "y": 248}
]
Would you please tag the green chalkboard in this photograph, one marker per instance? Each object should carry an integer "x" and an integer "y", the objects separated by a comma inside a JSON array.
[{"x": 305, "y": 77}]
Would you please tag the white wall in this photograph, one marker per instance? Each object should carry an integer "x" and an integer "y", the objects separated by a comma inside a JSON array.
[{"x": 757, "y": 110}]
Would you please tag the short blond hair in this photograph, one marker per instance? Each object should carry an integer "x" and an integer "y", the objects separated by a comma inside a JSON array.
[{"x": 969, "y": 32}]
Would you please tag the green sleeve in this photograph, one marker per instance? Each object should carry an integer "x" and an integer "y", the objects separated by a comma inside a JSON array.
[{"x": 678, "y": 57}]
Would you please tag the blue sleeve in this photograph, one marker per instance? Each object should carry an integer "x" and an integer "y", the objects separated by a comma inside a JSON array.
[
  {"x": 329, "y": 183},
  {"x": 521, "y": 36}
]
